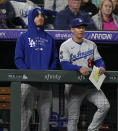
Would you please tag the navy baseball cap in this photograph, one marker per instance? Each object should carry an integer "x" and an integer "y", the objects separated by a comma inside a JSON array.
[
  {"x": 37, "y": 11},
  {"x": 78, "y": 22}
]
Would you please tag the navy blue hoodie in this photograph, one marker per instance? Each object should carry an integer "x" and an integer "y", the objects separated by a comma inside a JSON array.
[{"x": 35, "y": 49}]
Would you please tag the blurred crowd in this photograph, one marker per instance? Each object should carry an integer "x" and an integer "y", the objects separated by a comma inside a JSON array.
[{"x": 99, "y": 14}]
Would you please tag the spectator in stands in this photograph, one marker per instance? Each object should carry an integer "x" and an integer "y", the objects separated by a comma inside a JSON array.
[
  {"x": 88, "y": 7},
  {"x": 40, "y": 3},
  {"x": 64, "y": 17},
  {"x": 105, "y": 19},
  {"x": 3, "y": 23},
  {"x": 115, "y": 11},
  {"x": 7, "y": 11},
  {"x": 55, "y": 5},
  {"x": 22, "y": 9},
  {"x": 35, "y": 50},
  {"x": 96, "y": 2}
]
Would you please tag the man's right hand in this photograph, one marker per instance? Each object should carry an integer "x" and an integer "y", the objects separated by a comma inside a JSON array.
[{"x": 84, "y": 71}]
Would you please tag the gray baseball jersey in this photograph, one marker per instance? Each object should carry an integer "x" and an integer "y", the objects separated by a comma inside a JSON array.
[{"x": 79, "y": 54}]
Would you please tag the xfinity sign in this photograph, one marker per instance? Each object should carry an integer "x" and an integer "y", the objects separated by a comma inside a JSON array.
[{"x": 52, "y": 77}]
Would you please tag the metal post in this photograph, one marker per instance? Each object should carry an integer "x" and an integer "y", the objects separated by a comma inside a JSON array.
[
  {"x": 117, "y": 107},
  {"x": 15, "y": 113}
]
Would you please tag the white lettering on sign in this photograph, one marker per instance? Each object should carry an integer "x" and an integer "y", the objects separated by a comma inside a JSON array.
[
  {"x": 101, "y": 36},
  {"x": 52, "y": 77}
]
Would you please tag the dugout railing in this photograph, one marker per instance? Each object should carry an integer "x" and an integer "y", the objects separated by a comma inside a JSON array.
[
  {"x": 16, "y": 77},
  {"x": 107, "y": 42}
]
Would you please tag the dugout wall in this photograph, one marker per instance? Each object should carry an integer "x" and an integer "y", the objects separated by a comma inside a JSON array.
[{"x": 107, "y": 43}]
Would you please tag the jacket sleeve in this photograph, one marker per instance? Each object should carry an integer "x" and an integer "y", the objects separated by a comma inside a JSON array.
[
  {"x": 54, "y": 58},
  {"x": 19, "y": 54},
  {"x": 99, "y": 63},
  {"x": 64, "y": 57},
  {"x": 68, "y": 66}
]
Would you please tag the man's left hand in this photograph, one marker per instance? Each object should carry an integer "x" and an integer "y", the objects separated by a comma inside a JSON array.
[{"x": 101, "y": 71}]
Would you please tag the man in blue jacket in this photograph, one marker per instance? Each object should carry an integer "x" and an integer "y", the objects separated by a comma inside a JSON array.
[
  {"x": 64, "y": 18},
  {"x": 35, "y": 50}
]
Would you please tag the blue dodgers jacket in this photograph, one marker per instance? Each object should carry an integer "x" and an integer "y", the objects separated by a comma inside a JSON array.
[{"x": 35, "y": 49}]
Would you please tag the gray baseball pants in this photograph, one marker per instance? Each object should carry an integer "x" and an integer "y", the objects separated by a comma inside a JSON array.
[
  {"x": 97, "y": 97},
  {"x": 29, "y": 96}
]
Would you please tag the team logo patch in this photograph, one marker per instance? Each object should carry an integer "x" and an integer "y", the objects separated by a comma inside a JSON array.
[{"x": 31, "y": 42}]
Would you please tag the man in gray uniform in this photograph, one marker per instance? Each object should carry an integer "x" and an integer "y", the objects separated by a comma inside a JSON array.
[{"x": 78, "y": 53}]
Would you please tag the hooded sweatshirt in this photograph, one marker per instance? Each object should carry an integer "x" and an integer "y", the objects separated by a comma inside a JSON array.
[{"x": 35, "y": 49}]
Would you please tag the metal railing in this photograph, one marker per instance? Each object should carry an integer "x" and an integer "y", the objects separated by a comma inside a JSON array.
[{"x": 15, "y": 77}]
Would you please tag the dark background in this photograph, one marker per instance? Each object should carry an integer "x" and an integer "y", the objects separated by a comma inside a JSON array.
[{"x": 109, "y": 52}]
